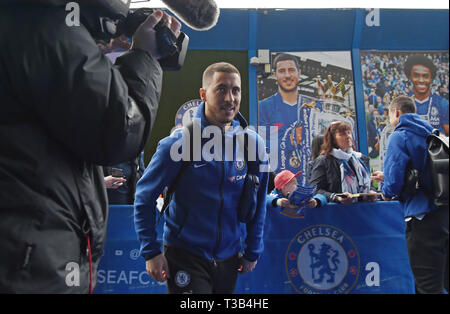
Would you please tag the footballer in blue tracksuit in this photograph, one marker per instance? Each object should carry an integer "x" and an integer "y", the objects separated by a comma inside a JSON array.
[
  {"x": 202, "y": 234},
  {"x": 427, "y": 226}
]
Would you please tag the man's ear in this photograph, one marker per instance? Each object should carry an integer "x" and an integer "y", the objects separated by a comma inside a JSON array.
[{"x": 202, "y": 94}]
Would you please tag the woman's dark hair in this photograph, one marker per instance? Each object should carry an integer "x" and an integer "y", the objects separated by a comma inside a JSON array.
[
  {"x": 316, "y": 146},
  {"x": 329, "y": 139}
]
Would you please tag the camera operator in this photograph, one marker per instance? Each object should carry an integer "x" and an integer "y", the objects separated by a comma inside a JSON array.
[{"x": 65, "y": 110}]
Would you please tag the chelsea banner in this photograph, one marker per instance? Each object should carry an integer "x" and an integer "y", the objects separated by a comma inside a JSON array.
[
  {"x": 354, "y": 249},
  {"x": 337, "y": 249}
]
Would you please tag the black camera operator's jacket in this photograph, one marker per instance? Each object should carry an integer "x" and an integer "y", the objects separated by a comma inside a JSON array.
[{"x": 64, "y": 110}]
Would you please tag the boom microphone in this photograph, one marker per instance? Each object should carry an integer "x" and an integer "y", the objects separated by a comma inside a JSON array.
[{"x": 200, "y": 15}]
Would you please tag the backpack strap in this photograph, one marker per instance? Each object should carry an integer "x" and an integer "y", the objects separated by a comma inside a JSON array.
[
  {"x": 168, "y": 191},
  {"x": 252, "y": 165}
]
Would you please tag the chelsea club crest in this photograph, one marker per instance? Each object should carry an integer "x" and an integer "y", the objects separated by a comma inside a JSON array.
[
  {"x": 186, "y": 112},
  {"x": 239, "y": 165},
  {"x": 322, "y": 259},
  {"x": 182, "y": 279}
]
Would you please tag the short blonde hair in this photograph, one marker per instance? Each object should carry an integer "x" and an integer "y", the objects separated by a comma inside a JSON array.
[{"x": 217, "y": 67}]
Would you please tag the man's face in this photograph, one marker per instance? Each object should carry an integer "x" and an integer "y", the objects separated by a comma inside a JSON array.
[
  {"x": 287, "y": 75},
  {"x": 421, "y": 78},
  {"x": 222, "y": 98}
]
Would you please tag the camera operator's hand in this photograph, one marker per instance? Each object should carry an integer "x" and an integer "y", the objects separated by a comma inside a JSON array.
[
  {"x": 145, "y": 36},
  {"x": 115, "y": 44},
  {"x": 120, "y": 43}
]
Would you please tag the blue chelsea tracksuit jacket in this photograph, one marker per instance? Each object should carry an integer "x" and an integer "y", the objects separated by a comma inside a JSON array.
[
  {"x": 202, "y": 216},
  {"x": 408, "y": 144}
]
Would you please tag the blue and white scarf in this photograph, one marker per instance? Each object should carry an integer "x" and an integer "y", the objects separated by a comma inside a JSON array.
[{"x": 352, "y": 182}]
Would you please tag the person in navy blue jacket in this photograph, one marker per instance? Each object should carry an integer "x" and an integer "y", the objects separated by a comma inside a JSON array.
[
  {"x": 427, "y": 225},
  {"x": 202, "y": 232}
]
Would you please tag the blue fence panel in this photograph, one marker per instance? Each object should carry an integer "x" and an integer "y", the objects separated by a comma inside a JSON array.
[{"x": 358, "y": 248}]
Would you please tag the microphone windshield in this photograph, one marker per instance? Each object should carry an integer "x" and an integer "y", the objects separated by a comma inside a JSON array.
[{"x": 200, "y": 15}]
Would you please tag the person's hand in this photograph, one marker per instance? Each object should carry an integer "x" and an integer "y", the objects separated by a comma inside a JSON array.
[
  {"x": 312, "y": 203},
  {"x": 157, "y": 268},
  {"x": 386, "y": 198},
  {"x": 246, "y": 266},
  {"x": 377, "y": 176},
  {"x": 113, "y": 182},
  {"x": 345, "y": 200},
  {"x": 373, "y": 197},
  {"x": 284, "y": 202},
  {"x": 145, "y": 36},
  {"x": 119, "y": 43},
  {"x": 115, "y": 44}
]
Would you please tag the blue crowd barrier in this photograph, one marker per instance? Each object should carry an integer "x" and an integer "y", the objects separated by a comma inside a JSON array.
[{"x": 358, "y": 248}]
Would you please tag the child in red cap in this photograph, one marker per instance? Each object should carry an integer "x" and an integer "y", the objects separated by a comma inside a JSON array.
[{"x": 285, "y": 184}]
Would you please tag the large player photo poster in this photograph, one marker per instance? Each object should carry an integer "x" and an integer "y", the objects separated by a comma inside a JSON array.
[
  {"x": 298, "y": 98},
  {"x": 423, "y": 76}
]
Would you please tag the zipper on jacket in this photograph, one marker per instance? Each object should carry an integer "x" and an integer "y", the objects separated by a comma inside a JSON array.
[
  {"x": 219, "y": 229},
  {"x": 28, "y": 252}
]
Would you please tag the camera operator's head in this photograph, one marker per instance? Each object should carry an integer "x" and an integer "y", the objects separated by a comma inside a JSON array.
[
  {"x": 197, "y": 14},
  {"x": 108, "y": 19}
]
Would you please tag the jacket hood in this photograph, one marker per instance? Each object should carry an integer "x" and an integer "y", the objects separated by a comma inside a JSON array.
[
  {"x": 415, "y": 124},
  {"x": 238, "y": 119}
]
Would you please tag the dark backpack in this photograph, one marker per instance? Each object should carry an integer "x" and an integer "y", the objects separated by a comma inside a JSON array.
[{"x": 438, "y": 167}]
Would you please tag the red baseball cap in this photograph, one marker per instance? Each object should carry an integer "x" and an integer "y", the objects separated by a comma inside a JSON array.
[{"x": 284, "y": 177}]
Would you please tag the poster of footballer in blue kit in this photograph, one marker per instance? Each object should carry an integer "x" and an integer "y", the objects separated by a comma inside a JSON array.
[
  {"x": 422, "y": 75},
  {"x": 298, "y": 98}
]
